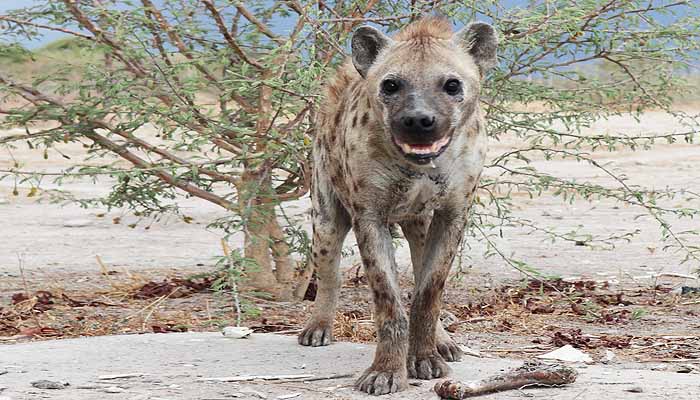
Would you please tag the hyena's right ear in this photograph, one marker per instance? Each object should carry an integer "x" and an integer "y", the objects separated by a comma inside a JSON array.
[{"x": 367, "y": 43}]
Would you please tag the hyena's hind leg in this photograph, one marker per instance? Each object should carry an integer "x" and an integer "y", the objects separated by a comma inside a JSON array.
[
  {"x": 331, "y": 224},
  {"x": 415, "y": 231}
]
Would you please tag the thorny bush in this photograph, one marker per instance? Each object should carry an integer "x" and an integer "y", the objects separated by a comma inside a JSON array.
[{"x": 216, "y": 99}]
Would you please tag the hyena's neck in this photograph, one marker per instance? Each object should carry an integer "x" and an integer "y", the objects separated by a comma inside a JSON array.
[{"x": 361, "y": 117}]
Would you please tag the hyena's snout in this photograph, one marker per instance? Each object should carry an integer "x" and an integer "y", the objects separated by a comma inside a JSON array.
[
  {"x": 416, "y": 127},
  {"x": 420, "y": 134}
]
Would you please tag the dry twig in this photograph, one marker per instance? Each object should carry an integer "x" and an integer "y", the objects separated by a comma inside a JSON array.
[{"x": 247, "y": 378}]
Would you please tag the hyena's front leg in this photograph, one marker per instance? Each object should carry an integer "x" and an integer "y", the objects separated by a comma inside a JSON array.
[
  {"x": 444, "y": 235},
  {"x": 387, "y": 373},
  {"x": 416, "y": 231},
  {"x": 331, "y": 224}
]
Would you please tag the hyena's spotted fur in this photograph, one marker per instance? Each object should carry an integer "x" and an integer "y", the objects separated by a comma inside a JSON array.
[{"x": 371, "y": 171}]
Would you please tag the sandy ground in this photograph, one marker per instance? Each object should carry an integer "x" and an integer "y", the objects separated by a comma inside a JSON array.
[
  {"x": 175, "y": 365},
  {"x": 54, "y": 238},
  {"x": 57, "y": 246}
]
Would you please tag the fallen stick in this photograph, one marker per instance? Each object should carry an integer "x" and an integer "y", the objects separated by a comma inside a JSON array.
[
  {"x": 675, "y": 275},
  {"x": 245, "y": 378},
  {"x": 311, "y": 378},
  {"x": 531, "y": 374},
  {"x": 328, "y": 377},
  {"x": 120, "y": 376}
]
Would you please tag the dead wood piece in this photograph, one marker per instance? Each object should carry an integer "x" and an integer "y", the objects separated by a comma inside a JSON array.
[
  {"x": 531, "y": 374},
  {"x": 328, "y": 377},
  {"x": 120, "y": 376},
  {"x": 245, "y": 378}
]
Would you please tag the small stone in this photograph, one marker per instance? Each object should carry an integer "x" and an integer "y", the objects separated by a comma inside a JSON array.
[
  {"x": 609, "y": 357},
  {"x": 567, "y": 353},
  {"x": 44, "y": 384},
  {"x": 236, "y": 332},
  {"x": 447, "y": 318},
  {"x": 288, "y": 396},
  {"x": 113, "y": 389},
  {"x": 635, "y": 389},
  {"x": 77, "y": 223},
  {"x": 469, "y": 351},
  {"x": 684, "y": 369},
  {"x": 686, "y": 290}
]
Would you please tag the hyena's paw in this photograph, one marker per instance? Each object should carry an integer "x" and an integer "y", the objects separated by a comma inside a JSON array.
[
  {"x": 448, "y": 348},
  {"x": 377, "y": 382},
  {"x": 316, "y": 333},
  {"x": 429, "y": 366}
]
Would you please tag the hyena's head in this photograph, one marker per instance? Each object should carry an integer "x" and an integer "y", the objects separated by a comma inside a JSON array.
[{"x": 424, "y": 83}]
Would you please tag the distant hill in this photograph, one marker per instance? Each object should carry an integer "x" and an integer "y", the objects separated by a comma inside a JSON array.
[{"x": 23, "y": 63}]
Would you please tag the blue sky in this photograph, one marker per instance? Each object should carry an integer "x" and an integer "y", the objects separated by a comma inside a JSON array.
[
  {"x": 10, "y": 4},
  {"x": 48, "y": 36}
]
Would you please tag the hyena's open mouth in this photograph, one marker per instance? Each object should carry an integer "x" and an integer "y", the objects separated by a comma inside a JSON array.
[{"x": 423, "y": 152}]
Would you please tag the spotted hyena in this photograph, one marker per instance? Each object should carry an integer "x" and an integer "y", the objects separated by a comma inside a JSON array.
[{"x": 400, "y": 140}]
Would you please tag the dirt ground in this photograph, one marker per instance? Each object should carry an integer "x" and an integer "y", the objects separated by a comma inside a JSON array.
[
  {"x": 69, "y": 272},
  {"x": 197, "y": 365}
]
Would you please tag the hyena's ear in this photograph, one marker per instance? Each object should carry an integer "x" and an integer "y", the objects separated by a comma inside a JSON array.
[
  {"x": 367, "y": 43},
  {"x": 481, "y": 41}
]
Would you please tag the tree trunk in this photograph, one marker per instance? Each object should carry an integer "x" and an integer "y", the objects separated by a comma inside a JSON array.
[
  {"x": 284, "y": 263},
  {"x": 275, "y": 271}
]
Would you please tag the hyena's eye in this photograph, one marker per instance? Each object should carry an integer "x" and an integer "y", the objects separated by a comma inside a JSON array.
[
  {"x": 453, "y": 87},
  {"x": 390, "y": 86}
]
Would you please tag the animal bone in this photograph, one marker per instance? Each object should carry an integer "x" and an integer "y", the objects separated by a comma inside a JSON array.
[{"x": 531, "y": 374}]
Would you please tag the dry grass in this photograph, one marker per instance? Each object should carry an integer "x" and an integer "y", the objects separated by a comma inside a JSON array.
[{"x": 514, "y": 320}]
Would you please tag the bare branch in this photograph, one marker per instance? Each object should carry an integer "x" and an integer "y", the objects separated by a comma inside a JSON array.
[
  {"x": 177, "y": 41},
  {"x": 104, "y": 37},
  {"x": 27, "y": 136},
  {"x": 47, "y": 27},
  {"x": 255, "y": 21},
  {"x": 227, "y": 35},
  {"x": 166, "y": 177}
]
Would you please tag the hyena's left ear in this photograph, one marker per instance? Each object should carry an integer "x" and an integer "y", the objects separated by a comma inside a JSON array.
[
  {"x": 481, "y": 41},
  {"x": 367, "y": 43}
]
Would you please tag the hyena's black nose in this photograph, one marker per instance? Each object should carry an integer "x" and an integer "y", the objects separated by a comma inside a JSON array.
[{"x": 418, "y": 123}]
